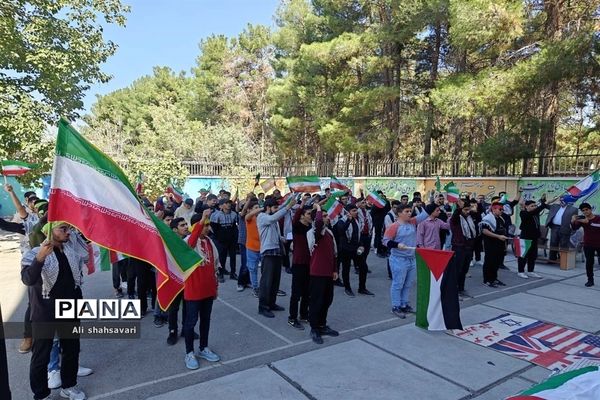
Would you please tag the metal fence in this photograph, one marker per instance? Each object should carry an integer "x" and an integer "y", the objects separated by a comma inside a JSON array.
[{"x": 559, "y": 165}]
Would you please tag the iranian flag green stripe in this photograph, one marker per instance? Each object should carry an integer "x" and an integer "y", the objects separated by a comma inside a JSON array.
[
  {"x": 437, "y": 294},
  {"x": 91, "y": 192},
  {"x": 582, "y": 383}
]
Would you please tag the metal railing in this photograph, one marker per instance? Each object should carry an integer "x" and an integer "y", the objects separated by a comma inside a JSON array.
[{"x": 559, "y": 165}]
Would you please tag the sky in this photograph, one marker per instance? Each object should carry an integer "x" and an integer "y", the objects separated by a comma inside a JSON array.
[{"x": 167, "y": 33}]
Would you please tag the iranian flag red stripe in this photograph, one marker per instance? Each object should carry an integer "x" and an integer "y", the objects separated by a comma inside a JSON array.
[{"x": 91, "y": 192}]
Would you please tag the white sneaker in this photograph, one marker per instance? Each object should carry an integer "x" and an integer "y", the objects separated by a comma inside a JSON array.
[
  {"x": 83, "y": 371},
  {"x": 72, "y": 393},
  {"x": 522, "y": 275},
  {"x": 54, "y": 381},
  {"x": 534, "y": 275}
]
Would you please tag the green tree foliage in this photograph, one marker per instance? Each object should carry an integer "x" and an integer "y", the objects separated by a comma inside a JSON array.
[{"x": 50, "y": 53}]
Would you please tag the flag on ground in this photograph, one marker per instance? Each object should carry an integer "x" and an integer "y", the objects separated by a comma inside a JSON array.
[
  {"x": 521, "y": 246},
  {"x": 89, "y": 191},
  {"x": 333, "y": 207},
  {"x": 268, "y": 184},
  {"x": 584, "y": 187},
  {"x": 438, "y": 184},
  {"x": 176, "y": 192},
  {"x": 256, "y": 180},
  {"x": 437, "y": 291},
  {"x": 582, "y": 383},
  {"x": 376, "y": 200},
  {"x": 101, "y": 258},
  {"x": 452, "y": 192},
  {"x": 336, "y": 184},
  {"x": 16, "y": 168},
  {"x": 308, "y": 184}
]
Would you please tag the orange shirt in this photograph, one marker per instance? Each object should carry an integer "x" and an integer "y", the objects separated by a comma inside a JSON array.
[{"x": 252, "y": 240}]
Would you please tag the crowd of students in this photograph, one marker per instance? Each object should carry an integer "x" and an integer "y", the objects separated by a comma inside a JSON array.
[{"x": 274, "y": 233}]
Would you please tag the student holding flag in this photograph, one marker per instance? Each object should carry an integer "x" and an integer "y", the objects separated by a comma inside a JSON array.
[{"x": 530, "y": 230}]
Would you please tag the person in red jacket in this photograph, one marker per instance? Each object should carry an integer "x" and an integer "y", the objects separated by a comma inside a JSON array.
[
  {"x": 199, "y": 291},
  {"x": 323, "y": 272},
  {"x": 591, "y": 238}
]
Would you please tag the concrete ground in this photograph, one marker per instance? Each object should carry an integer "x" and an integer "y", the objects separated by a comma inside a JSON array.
[{"x": 376, "y": 356}]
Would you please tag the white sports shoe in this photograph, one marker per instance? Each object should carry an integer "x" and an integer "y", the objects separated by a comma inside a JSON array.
[
  {"x": 54, "y": 381},
  {"x": 534, "y": 275},
  {"x": 72, "y": 393},
  {"x": 83, "y": 371},
  {"x": 522, "y": 275}
]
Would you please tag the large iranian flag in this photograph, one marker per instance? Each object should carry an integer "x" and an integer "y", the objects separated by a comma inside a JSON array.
[
  {"x": 308, "y": 184},
  {"x": 437, "y": 291},
  {"x": 582, "y": 383},
  {"x": 89, "y": 191}
]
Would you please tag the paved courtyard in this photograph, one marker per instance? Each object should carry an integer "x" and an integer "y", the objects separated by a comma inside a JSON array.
[{"x": 376, "y": 356}]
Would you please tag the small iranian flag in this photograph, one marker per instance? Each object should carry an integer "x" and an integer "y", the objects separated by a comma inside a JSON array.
[
  {"x": 521, "y": 246},
  {"x": 101, "y": 258},
  {"x": 376, "y": 200},
  {"x": 338, "y": 193},
  {"x": 308, "y": 184},
  {"x": 139, "y": 183},
  {"x": 437, "y": 291},
  {"x": 176, "y": 192},
  {"x": 90, "y": 191},
  {"x": 503, "y": 199},
  {"x": 337, "y": 185},
  {"x": 452, "y": 192},
  {"x": 268, "y": 184},
  {"x": 582, "y": 383},
  {"x": 16, "y": 168},
  {"x": 333, "y": 207}
]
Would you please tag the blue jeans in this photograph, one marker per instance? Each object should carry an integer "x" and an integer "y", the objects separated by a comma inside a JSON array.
[
  {"x": 197, "y": 309},
  {"x": 253, "y": 257},
  {"x": 404, "y": 272},
  {"x": 54, "y": 365}
]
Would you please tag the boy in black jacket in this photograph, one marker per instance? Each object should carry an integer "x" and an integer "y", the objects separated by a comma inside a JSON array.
[{"x": 530, "y": 230}]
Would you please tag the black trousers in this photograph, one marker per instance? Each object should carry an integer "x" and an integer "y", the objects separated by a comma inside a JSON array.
[
  {"x": 146, "y": 282},
  {"x": 378, "y": 240},
  {"x": 285, "y": 259},
  {"x": 321, "y": 297},
  {"x": 227, "y": 249},
  {"x": 197, "y": 309},
  {"x": 269, "y": 281},
  {"x": 462, "y": 260},
  {"x": 365, "y": 241},
  {"x": 43, "y": 335},
  {"x": 529, "y": 258},
  {"x": 131, "y": 277},
  {"x": 300, "y": 291},
  {"x": 478, "y": 248},
  {"x": 174, "y": 312},
  {"x": 494, "y": 254},
  {"x": 589, "y": 252},
  {"x": 27, "y": 330},
  {"x": 119, "y": 272},
  {"x": 347, "y": 258}
]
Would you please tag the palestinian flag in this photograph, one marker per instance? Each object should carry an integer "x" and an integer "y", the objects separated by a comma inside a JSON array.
[
  {"x": 333, "y": 207},
  {"x": 452, "y": 192},
  {"x": 101, "y": 258},
  {"x": 337, "y": 185},
  {"x": 16, "y": 168},
  {"x": 437, "y": 291},
  {"x": 376, "y": 200},
  {"x": 582, "y": 383},
  {"x": 308, "y": 184},
  {"x": 177, "y": 193},
  {"x": 521, "y": 246},
  {"x": 268, "y": 184},
  {"x": 584, "y": 187},
  {"x": 89, "y": 191}
]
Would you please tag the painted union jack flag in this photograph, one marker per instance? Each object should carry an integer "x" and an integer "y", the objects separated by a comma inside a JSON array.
[{"x": 550, "y": 346}]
